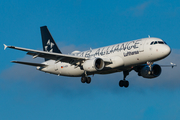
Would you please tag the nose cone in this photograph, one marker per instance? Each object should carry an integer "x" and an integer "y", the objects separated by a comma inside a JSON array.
[{"x": 166, "y": 50}]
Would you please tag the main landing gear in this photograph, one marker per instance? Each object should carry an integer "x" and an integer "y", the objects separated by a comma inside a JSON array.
[
  {"x": 124, "y": 82},
  {"x": 86, "y": 79}
]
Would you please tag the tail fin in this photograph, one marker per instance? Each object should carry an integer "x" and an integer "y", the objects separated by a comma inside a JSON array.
[{"x": 48, "y": 42}]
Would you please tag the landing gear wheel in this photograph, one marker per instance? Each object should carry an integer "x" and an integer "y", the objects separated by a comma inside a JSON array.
[
  {"x": 83, "y": 79},
  {"x": 88, "y": 80},
  {"x": 150, "y": 72},
  {"x": 124, "y": 83},
  {"x": 121, "y": 83}
]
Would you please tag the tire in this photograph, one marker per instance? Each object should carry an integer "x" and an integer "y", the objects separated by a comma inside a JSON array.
[
  {"x": 121, "y": 83},
  {"x": 88, "y": 80},
  {"x": 126, "y": 84},
  {"x": 83, "y": 79}
]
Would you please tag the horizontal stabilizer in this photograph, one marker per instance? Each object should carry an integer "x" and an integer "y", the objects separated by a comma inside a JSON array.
[
  {"x": 31, "y": 64},
  {"x": 5, "y": 46},
  {"x": 172, "y": 65}
]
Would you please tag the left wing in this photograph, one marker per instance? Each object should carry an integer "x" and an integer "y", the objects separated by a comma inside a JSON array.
[{"x": 49, "y": 55}]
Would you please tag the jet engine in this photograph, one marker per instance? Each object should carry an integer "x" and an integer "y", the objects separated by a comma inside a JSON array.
[
  {"x": 146, "y": 73},
  {"x": 93, "y": 65}
]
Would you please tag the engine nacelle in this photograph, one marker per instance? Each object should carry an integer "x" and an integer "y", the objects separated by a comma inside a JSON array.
[
  {"x": 145, "y": 71},
  {"x": 93, "y": 65}
]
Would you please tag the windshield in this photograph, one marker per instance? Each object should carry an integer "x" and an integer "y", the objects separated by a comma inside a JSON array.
[{"x": 158, "y": 42}]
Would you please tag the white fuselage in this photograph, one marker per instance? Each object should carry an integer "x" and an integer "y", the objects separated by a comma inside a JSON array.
[{"x": 123, "y": 56}]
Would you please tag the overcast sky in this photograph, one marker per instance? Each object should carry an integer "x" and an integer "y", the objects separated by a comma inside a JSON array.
[{"x": 26, "y": 93}]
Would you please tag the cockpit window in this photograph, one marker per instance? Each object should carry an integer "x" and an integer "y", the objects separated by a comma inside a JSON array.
[
  {"x": 160, "y": 42},
  {"x": 152, "y": 43}
]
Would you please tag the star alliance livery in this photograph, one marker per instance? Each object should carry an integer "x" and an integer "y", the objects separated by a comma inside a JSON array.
[{"x": 138, "y": 55}]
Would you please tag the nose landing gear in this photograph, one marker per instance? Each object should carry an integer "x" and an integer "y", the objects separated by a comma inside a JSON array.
[{"x": 150, "y": 67}]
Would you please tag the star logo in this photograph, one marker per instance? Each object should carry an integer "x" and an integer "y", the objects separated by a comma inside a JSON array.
[{"x": 49, "y": 46}]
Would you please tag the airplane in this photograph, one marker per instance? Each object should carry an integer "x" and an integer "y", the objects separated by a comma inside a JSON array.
[{"x": 138, "y": 55}]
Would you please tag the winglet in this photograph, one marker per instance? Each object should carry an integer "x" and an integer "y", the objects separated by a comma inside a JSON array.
[
  {"x": 5, "y": 46},
  {"x": 173, "y": 65}
]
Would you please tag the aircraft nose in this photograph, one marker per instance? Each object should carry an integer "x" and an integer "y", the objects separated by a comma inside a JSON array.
[{"x": 166, "y": 50}]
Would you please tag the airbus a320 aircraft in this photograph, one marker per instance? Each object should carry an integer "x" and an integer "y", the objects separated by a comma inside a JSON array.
[{"x": 138, "y": 55}]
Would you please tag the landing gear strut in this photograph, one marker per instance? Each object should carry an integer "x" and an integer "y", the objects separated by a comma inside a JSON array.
[
  {"x": 150, "y": 67},
  {"x": 124, "y": 82}
]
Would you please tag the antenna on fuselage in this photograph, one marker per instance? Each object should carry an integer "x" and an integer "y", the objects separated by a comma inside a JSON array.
[{"x": 149, "y": 36}]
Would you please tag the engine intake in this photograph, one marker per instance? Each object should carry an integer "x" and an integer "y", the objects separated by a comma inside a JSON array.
[
  {"x": 146, "y": 73},
  {"x": 93, "y": 65}
]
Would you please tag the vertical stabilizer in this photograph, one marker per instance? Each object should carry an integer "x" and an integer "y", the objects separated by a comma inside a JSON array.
[{"x": 48, "y": 42}]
